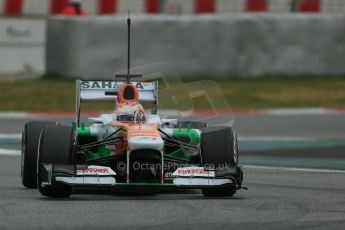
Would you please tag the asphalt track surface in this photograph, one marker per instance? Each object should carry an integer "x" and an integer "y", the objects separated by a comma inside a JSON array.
[{"x": 277, "y": 198}]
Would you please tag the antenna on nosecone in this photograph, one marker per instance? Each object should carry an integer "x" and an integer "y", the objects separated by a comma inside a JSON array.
[
  {"x": 128, "y": 75},
  {"x": 128, "y": 47}
]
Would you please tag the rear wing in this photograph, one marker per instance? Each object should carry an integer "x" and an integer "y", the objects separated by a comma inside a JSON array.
[{"x": 107, "y": 91}]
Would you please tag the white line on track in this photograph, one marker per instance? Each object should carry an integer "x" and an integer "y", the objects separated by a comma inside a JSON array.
[
  {"x": 293, "y": 169},
  {"x": 298, "y": 111},
  {"x": 13, "y": 115},
  {"x": 10, "y": 135},
  {"x": 9, "y": 152}
]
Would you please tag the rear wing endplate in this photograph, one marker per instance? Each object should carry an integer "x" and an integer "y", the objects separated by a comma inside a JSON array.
[{"x": 106, "y": 91}]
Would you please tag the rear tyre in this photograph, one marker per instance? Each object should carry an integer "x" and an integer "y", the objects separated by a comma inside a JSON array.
[
  {"x": 219, "y": 149},
  {"x": 56, "y": 147},
  {"x": 30, "y": 136}
]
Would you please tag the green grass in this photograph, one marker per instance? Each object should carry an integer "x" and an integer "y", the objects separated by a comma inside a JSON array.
[
  {"x": 273, "y": 93},
  {"x": 59, "y": 94}
]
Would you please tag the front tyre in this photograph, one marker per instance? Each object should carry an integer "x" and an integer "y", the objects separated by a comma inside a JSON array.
[
  {"x": 30, "y": 137},
  {"x": 219, "y": 149},
  {"x": 56, "y": 146}
]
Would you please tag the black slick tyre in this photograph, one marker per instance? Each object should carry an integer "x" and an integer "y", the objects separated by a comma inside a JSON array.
[
  {"x": 30, "y": 137},
  {"x": 56, "y": 147},
  {"x": 219, "y": 150}
]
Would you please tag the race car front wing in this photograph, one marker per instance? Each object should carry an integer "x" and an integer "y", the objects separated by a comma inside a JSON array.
[{"x": 86, "y": 176}]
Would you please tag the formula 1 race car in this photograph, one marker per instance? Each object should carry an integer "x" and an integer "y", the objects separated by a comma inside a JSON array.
[{"x": 129, "y": 148}]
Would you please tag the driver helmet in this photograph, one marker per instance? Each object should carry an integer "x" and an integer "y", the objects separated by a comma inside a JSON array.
[{"x": 130, "y": 112}]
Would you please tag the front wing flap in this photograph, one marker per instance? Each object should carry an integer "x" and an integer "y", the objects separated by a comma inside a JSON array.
[{"x": 92, "y": 176}]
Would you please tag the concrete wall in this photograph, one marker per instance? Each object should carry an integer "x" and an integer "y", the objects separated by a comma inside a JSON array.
[
  {"x": 229, "y": 45},
  {"x": 22, "y": 46}
]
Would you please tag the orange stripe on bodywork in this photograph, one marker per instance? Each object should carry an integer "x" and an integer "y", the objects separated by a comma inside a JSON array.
[{"x": 138, "y": 130}]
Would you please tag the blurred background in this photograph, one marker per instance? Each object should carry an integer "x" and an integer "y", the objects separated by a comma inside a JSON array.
[
  {"x": 277, "y": 67},
  {"x": 233, "y": 37},
  {"x": 272, "y": 69}
]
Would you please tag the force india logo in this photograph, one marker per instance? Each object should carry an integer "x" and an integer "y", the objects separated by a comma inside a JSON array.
[
  {"x": 92, "y": 170},
  {"x": 193, "y": 171},
  {"x": 109, "y": 85}
]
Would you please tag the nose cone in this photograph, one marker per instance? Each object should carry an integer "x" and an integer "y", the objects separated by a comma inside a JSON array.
[{"x": 144, "y": 142}]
